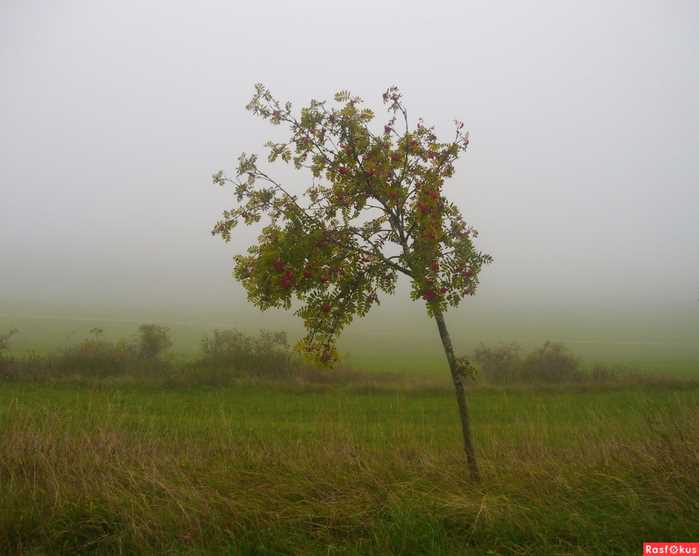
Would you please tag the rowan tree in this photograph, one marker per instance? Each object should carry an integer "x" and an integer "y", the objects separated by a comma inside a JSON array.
[{"x": 373, "y": 208}]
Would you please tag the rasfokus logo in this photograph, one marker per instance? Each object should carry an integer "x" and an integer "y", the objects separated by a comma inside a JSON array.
[{"x": 671, "y": 548}]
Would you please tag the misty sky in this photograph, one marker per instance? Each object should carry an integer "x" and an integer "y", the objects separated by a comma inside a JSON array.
[{"x": 582, "y": 176}]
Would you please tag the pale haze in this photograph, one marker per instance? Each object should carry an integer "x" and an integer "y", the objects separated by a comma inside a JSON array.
[{"x": 582, "y": 175}]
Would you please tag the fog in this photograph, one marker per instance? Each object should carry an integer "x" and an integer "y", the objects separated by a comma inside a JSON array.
[{"x": 582, "y": 176}]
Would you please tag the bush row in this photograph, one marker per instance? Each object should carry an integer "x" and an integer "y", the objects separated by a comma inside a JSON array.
[
  {"x": 229, "y": 354},
  {"x": 224, "y": 354},
  {"x": 506, "y": 363}
]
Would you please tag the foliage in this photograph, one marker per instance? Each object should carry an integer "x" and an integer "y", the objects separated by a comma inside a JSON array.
[
  {"x": 97, "y": 357},
  {"x": 264, "y": 355},
  {"x": 225, "y": 354},
  {"x": 5, "y": 362},
  {"x": 154, "y": 339},
  {"x": 374, "y": 208},
  {"x": 5, "y": 340},
  {"x": 603, "y": 373},
  {"x": 466, "y": 369},
  {"x": 552, "y": 362},
  {"x": 230, "y": 355},
  {"x": 94, "y": 357},
  {"x": 499, "y": 364}
]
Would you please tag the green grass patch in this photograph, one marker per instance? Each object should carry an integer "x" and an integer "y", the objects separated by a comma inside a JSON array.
[{"x": 263, "y": 469}]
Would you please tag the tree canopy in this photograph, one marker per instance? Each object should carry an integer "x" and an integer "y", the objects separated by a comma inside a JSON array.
[{"x": 373, "y": 208}]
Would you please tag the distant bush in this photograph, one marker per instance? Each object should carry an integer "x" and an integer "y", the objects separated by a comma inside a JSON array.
[
  {"x": 229, "y": 355},
  {"x": 154, "y": 340},
  {"x": 604, "y": 373},
  {"x": 552, "y": 362},
  {"x": 226, "y": 354},
  {"x": 500, "y": 364},
  {"x": 94, "y": 357},
  {"x": 6, "y": 364},
  {"x": 5, "y": 340},
  {"x": 266, "y": 354}
]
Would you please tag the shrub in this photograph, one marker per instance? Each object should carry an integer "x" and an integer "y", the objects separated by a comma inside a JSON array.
[
  {"x": 226, "y": 347},
  {"x": 153, "y": 341},
  {"x": 604, "y": 373},
  {"x": 94, "y": 357},
  {"x": 5, "y": 340},
  {"x": 6, "y": 364},
  {"x": 499, "y": 364},
  {"x": 265, "y": 355},
  {"x": 552, "y": 362}
]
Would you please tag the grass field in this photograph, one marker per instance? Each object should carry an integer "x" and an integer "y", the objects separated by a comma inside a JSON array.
[{"x": 263, "y": 469}]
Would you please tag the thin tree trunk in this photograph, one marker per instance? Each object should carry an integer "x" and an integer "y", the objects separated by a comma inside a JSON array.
[{"x": 458, "y": 380}]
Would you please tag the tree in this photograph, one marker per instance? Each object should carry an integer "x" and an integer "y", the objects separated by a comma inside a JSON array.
[{"x": 374, "y": 209}]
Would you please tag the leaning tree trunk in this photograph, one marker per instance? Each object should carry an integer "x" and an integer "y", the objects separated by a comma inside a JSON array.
[{"x": 458, "y": 380}]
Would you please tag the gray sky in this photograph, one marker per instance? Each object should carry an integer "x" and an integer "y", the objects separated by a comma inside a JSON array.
[{"x": 583, "y": 175}]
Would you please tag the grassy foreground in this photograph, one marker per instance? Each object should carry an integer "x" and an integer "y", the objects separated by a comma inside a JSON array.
[{"x": 260, "y": 469}]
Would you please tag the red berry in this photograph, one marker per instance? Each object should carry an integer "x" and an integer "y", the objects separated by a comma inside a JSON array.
[{"x": 287, "y": 279}]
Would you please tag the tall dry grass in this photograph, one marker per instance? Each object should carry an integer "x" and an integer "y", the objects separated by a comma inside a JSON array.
[{"x": 71, "y": 485}]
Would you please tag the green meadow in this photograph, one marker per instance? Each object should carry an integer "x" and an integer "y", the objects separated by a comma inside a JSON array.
[
  {"x": 177, "y": 457},
  {"x": 117, "y": 467}
]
